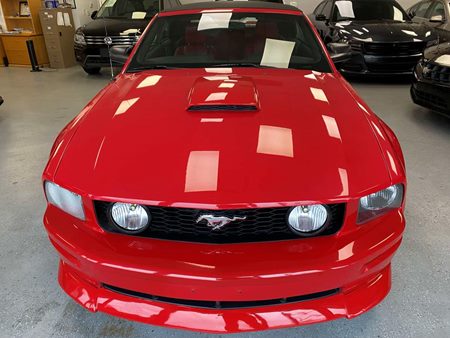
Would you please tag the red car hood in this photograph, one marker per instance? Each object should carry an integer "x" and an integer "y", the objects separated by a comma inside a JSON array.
[{"x": 305, "y": 138}]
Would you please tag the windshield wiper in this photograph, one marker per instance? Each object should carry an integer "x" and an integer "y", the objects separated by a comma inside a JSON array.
[
  {"x": 142, "y": 68},
  {"x": 238, "y": 64}
]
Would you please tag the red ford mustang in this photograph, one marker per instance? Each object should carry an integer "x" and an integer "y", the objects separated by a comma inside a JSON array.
[{"x": 228, "y": 180}]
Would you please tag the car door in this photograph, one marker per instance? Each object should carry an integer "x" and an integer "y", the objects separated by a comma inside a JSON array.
[{"x": 438, "y": 19}]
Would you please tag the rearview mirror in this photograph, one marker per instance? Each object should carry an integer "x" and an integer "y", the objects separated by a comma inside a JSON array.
[
  {"x": 437, "y": 18},
  {"x": 321, "y": 17},
  {"x": 94, "y": 15},
  {"x": 119, "y": 54},
  {"x": 339, "y": 52}
]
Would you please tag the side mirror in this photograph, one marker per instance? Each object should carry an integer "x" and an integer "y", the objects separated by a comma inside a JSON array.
[
  {"x": 412, "y": 14},
  {"x": 94, "y": 15},
  {"x": 119, "y": 54},
  {"x": 437, "y": 18},
  {"x": 321, "y": 17},
  {"x": 339, "y": 52}
]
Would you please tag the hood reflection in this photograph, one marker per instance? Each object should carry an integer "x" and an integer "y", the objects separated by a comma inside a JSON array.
[
  {"x": 275, "y": 141},
  {"x": 202, "y": 171}
]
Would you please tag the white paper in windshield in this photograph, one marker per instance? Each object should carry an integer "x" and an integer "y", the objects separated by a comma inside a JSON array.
[
  {"x": 398, "y": 14},
  {"x": 277, "y": 53},
  {"x": 345, "y": 9},
  {"x": 214, "y": 21},
  {"x": 138, "y": 15}
]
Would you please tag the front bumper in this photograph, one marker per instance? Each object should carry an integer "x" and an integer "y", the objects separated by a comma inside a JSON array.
[
  {"x": 432, "y": 96},
  {"x": 363, "y": 64},
  {"x": 92, "y": 56},
  {"x": 357, "y": 264}
]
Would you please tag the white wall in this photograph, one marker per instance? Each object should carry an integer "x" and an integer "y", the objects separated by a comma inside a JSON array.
[{"x": 82, "y": 14}]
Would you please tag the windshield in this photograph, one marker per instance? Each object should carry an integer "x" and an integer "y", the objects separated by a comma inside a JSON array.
[
  {"x": 128, "y": 9},
  {"x": 368, "y": 10},
  {"x": 226, "y": 39}
]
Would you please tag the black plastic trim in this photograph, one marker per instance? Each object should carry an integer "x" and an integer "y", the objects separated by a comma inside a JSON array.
[{"x": 228, "y": 305}]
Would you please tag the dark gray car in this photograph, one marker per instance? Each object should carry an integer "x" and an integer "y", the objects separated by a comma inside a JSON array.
[{"x": 433, "y": 14}]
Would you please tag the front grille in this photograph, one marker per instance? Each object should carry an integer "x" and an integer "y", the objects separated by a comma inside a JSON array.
[
  {"x": 393, "y": 49},
  {"x": 223, "y": 108},
  {"x": 115, "y": 40},
  {"x": 391, "y": 67},
  {"x": 437, "y": 73},
  {"x": 222, "y": 304},
  {"x": 431, "y": 100},
  {"x": 260, "y": 225},
  {"x": 356, "y": 46}
]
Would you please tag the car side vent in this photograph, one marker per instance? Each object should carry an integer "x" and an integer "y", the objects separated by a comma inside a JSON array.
[{"x": 226, "y": 107}]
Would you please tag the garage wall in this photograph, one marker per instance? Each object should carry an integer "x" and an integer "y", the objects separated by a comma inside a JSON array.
[{"x": 82, "y": 14}]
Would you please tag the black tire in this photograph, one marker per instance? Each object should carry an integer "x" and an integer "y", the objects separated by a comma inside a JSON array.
[{"x": 92, "y": 70}]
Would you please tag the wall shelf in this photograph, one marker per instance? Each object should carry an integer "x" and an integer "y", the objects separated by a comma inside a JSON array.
[{"x": 13, "y": 42}]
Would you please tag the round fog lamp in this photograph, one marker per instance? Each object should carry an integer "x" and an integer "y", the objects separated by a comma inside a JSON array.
[
  {"x": 130, "y": 217},
  {"x": 308, "y": 219}
]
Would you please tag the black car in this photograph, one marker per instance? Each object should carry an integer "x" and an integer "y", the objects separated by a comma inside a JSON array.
[
  {"x": 434, "y": 14},
  {"x": 380, "y": 33},
  {"x": 117, "y": 22},
  {"x": 431, "y": 86}
]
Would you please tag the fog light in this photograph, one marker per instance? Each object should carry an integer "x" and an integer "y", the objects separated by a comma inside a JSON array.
[
  {"x": 308, "y": 219},
  {"x": 130, "y": 217}
]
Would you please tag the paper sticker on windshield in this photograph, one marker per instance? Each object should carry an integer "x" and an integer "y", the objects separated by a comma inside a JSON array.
[
  {"x": 214, "y": 21},
  {"x": 277, "y": 53},
  {"x": 345, "y": 9},
  {"x": 138, "y": 15},
  {"x": 444, "y": 60}
]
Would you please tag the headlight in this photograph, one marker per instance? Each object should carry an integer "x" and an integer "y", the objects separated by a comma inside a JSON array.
[
  {"x": 308, "y": 219},
  {"x": 65, "y": 200},
  {"x": 130, "y": 217},
  {"x": 380, "y": 202},
  {"x": 78, "y": 38}
]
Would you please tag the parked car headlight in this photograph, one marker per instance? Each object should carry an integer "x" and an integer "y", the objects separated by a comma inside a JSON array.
[
  {"x": 64, "y": 199},
  {"x": 380, "y": 202},
  {"x": 308, "y": 219},
  {"x": 130, "y": 217},
  {"x": 78, "y": 38}
]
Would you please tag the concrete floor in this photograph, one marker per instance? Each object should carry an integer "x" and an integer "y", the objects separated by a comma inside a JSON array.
[{"x": 38, "y": 105}]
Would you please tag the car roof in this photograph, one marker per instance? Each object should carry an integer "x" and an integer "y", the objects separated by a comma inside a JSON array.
[{"x": 233, "y": 4}]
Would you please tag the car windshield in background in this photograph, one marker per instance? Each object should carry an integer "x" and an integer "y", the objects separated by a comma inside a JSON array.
[
  {"x": 230, "y": 40},
  {"x": 128, "y": 9},
  {"x": 368, "y": 10}
]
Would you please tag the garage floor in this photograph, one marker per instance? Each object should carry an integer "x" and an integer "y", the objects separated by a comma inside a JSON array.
[{"x": 38, "y": 105}]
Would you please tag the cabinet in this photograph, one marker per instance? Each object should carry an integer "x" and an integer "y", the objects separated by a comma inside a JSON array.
[
  {"x": 57, "y": 26},
  {"x": 19, "y": 29}
]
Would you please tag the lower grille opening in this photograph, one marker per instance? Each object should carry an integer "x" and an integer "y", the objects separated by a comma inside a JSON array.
[{"x": 222, "y": 304}]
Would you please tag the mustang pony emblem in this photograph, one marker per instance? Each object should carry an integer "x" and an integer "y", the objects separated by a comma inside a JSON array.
[{"x": 217, "y": 222}]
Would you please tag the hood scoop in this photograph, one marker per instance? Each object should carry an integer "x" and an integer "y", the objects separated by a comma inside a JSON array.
[
  {"x": 223, "y": 93},
  {"x": 223, "y": 107}
]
